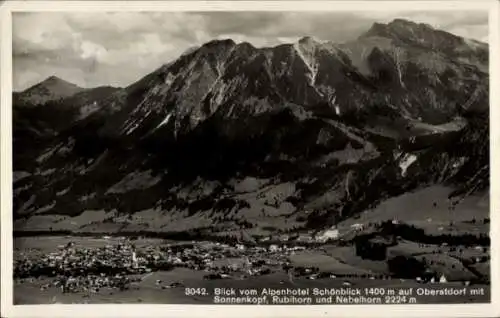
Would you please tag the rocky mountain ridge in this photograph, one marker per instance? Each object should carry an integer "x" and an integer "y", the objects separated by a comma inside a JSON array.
[
  {"x": 297, "y": 136},
  {"x": 52, "y": 88}
]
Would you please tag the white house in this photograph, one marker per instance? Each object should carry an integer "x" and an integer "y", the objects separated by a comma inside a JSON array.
[
  {"x": 443, "y": 279},
  {"x": 357, "y": 226},
  {"x": 337, "y": 110},
  {"x": 240, "y": 247},
  {"x": 273, "y": 248},
  {"x": 331, "y": 234},
  {"x": 134, "y": 260}
]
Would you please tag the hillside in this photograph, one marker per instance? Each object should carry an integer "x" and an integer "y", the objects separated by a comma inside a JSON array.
[
  {"x": 285, "y": 139},
  {"x": 52, "y": 88}
]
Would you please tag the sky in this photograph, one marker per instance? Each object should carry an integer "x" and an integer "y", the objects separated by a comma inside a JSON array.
[{"x": 93, "y": 49}]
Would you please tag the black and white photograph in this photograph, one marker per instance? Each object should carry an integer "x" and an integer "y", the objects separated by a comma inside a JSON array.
[{"x": 251, "y": 157}]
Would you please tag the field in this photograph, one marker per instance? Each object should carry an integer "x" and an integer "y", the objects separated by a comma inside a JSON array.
[
  {"x": 431, "y": 209},
  {"x": 338, "y": 260},
  {"x": 148, "y": 292},
  {"x": 325, "y": 265}
]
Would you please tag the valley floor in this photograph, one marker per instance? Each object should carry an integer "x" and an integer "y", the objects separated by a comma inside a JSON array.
[
  {"x": 421, "y": 228},
  {"x": 326, "y": 266}
]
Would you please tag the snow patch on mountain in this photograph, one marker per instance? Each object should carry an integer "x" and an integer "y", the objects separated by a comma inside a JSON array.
[
  {"x": 49, "y": 153},
  {"x": 459, "y": 162},
  {"x": 46, "y": 208},
  {"x": 67, "y": 148},
  {"x": 152, "y": 102},
  {"x": 63, "y": 192},
  {"x": 27, "y": 204},
  {"x": 133, "y": 123},
  {"x": 132, "y": 128},
  {"x": 87, "y": 197},
  {"x": 405, "y": 162},
  {"x": 45, "y": 173},
  {"x": 88, "y": 110},
  {"x": 164, "y": 121},
  {"x": 19, "y": 175},
  {"x": 169, "y": 79},
  {"x": 220, "y": 93},
  {"x": 306, "y": 50},
  {"x": 81, "y": 170},
  {"x": 138, "y": 180}
]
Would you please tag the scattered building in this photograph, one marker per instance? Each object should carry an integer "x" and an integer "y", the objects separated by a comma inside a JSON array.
[
  {"x": 357, "y": 226},
  {"x": 273, "y": 248},
  {"x": 443, "y": 279},
  {"x": 240, "y": 247},
  {"x": 331, "y": 234}
]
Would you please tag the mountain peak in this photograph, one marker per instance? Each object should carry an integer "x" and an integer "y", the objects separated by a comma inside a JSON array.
[
  {"x": 402, "y": 21},
  {"x": 53, "y": 79},
  {"x": 408, "y": 24},
  {"x": 377, "y": 29},
  {"x": 398, "y": 28},
  {"x": 308, "y": 43},
  {"x": 51, "y": 88},
  {"x": 412, "y": 33},
  {"x": 190, "y": 50},
  {"x": 219, "y": 43},
  {"x": 403, "y": 25},
  {"x": 307, "y": 39}
]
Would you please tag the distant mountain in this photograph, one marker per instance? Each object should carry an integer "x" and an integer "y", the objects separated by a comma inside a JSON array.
[
  {"x": 413, "y": 70},
  {"x": 36, "y": 120},
  {"x": 190, "y": 50},
  {"x": 230, "y": 135},
  {"x": 50, "y": 89},
  {"x": 424, "y": 35}
]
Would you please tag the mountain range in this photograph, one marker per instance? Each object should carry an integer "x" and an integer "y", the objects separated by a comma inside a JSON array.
[{"x": 296, "y": 137}]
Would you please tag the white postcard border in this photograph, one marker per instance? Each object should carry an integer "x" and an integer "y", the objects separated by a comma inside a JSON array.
[{"x": 126, "y": 310}]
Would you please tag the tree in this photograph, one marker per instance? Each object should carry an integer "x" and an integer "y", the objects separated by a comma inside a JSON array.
[{"x": 406, "y": 267}]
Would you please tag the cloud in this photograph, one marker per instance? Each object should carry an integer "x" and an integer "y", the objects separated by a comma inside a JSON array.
[{"x": 92, "y": 49}]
